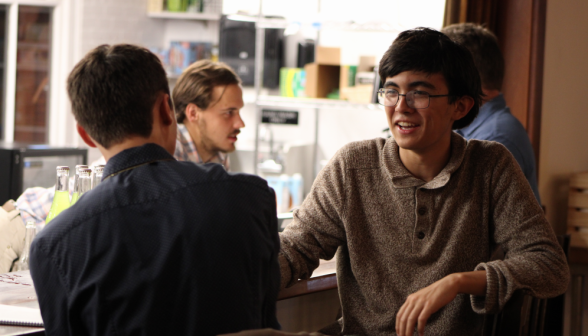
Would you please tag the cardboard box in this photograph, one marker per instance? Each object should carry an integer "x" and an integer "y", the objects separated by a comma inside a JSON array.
[
  {"x": 323, "y": 76},
  {"x": 321, "y": 79},
  {"x": 366, "y": 63},
  {"x": 358, "y": 93},
  {"x": 328, "y": 56}
]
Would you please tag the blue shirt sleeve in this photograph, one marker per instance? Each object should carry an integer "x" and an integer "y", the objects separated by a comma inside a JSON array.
[{"x": 527, "y": 167}]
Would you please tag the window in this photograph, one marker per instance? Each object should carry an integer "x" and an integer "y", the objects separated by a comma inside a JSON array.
[
  {"x": 32, "y": 74},
  {"x": 2, "y": 65}
]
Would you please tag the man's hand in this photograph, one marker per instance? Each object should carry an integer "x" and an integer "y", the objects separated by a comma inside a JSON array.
[
  {"x": 420, "y": 305},
  {"x": 8, "y": 206}
]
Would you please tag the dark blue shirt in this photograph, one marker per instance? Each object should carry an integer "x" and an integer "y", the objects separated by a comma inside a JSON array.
[
  {"x": 161, "y": 247},
  {"x": 496, "y": 123}
]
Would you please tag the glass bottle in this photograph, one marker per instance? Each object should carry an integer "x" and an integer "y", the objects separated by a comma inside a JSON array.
[
  {"x": 76, "y": 191},
  {"x": 98, "y": 172},
  {"x": 85, "y": 181},
  {"x": 61, "y": 198},
  {"x": 23, "y": 262}
]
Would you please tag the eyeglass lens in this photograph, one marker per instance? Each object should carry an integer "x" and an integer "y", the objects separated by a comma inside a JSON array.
[{"x": 414, "y": 99}]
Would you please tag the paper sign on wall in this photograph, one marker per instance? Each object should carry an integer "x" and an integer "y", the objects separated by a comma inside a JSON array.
[{"x": 279, "y": 117}]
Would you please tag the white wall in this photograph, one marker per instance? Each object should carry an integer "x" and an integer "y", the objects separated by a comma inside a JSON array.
[
  {"x": 116, "y": 21},
  {"x": 112, "y": 22},
  {"x": 564, "y": 124}
]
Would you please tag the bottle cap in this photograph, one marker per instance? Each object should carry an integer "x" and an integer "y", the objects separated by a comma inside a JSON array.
[{"x": 62, "y": 168}]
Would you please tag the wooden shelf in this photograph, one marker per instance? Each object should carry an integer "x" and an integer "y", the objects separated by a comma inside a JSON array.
[
  {"x": 286, "y": 102},
  {"x": 184, "y": 16}
]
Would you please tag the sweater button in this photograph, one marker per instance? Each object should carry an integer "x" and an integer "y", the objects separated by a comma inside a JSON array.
[
  {"x": 421, "y": 235},
  {"x": 422, "y": 211}
]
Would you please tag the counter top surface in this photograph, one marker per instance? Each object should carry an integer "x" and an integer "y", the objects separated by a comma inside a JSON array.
[
  {"x": 16, "y": 289},
  {"x": 323, "y": 278}
]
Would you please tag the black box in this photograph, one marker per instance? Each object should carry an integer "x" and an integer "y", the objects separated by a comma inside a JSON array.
[
  {"x": 237, "y": 49},
  {"x": 24, "y": 165}
]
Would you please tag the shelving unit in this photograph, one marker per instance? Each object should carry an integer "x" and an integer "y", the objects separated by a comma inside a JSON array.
[
  {"x": 278, "y": 102},
  {"x": 286, "y": 102},
  {"x": 306, "y": 103}
]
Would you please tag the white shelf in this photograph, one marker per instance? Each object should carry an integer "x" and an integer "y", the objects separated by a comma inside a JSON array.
[
  {"x": 286, "y": 102},
  {"x": 184, "y": 16}
]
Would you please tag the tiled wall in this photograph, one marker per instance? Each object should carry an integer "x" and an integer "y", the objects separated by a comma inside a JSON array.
[{"x": 115, "y": 21}]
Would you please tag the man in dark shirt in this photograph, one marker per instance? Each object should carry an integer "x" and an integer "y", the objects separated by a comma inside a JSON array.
[{"x": 160, "y": 247}]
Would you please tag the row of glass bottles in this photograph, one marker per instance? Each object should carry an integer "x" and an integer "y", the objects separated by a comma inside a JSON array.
[{"x": 84, "y": 180}]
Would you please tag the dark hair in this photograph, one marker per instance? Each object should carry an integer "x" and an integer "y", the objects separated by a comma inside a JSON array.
[
  {"x": 430, "y": 51},
  {"x": 196, "y": 83},
  {"x": 483, "y": 45},
  {"x": 113, "y": 90}
]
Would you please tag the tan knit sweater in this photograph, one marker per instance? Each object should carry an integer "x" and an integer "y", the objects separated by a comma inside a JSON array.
[{"x": 396, "y": 234}]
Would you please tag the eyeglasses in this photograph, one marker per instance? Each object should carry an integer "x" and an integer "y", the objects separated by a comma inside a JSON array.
[{"x": 414, "y": 99}]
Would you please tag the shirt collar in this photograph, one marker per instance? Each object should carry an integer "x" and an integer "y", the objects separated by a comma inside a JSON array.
[
  {"x": 186, "y": 139},
  {"x": 402, "y": 178},
  {"x": 489, "y": 108},
  {"x": 136, "y": 156}
]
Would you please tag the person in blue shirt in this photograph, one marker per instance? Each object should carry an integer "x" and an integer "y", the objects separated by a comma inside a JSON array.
[
  {"x": 494, "y": 121},
  {"x": 159, "y": 247}
]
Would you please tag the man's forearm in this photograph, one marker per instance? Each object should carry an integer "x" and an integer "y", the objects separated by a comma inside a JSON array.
[{"x": 473, "y": 283}]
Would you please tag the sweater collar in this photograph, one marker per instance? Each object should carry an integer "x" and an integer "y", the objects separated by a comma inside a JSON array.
[{"x": 402, "y": 178}]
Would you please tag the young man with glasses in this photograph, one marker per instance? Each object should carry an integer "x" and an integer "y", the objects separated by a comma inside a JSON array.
[{"x": 414, "y": 219}]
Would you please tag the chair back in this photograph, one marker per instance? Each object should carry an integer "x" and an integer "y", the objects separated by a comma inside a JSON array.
[{"x": 524, "y": 315}]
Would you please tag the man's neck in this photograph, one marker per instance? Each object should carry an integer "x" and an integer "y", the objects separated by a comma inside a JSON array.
[
  {"x": 425, "y": 166},
  {"x": 489, "y": 95},
  {"x": 134, "y": 141}
]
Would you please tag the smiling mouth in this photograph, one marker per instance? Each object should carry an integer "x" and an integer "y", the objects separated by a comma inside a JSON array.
[{"x": 406, "y": 125}]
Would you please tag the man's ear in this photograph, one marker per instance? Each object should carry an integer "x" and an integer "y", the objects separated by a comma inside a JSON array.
[
  {"x": 87, "y": 139},
  {"x": 165, "y": 111},
  {"x": 462, "y": 106},
  {"x": 192, "y": 112}
]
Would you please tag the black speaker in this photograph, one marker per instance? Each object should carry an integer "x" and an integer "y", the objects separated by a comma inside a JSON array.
[
  {"x": 305, "y": 53},
  {"x": 273, "y": 57},
  {"x": 237, "y": 49}
]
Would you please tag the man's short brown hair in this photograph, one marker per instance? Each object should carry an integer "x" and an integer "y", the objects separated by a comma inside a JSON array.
[
  {"x": 483, "y": 45},
  {"x": 113, "y": 90},
  {"x": 196, "y": 83}
]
